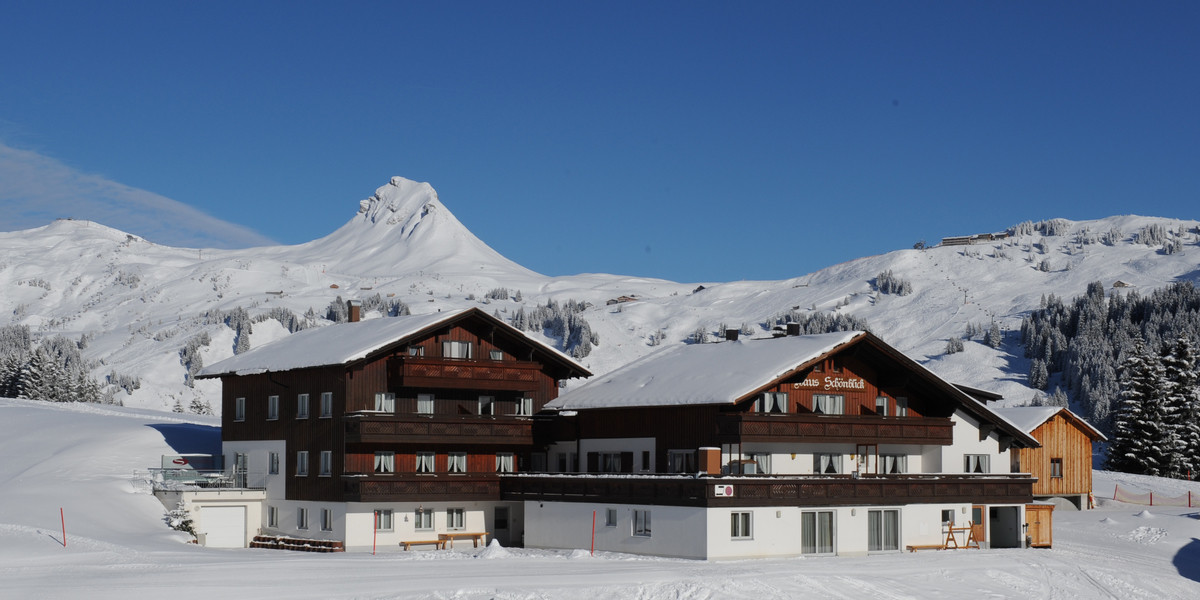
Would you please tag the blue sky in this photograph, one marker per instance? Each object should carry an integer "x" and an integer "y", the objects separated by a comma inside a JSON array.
[{"x": 692, "y": 141}]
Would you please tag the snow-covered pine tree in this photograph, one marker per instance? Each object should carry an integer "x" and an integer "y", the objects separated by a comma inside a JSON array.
[
  {"x": 1183, "y": 405},
  {"x": 993, "y": 337},
  {"x": 1143, "y": 439}
]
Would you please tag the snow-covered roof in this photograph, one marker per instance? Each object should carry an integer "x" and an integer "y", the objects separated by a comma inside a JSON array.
[
  {"x": 346, "y": 343},
  {"x": 701, "y": 373},
  {"x": 1028, "y": 418}
]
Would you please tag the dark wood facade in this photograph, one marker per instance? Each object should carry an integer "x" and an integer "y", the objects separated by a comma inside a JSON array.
[{"x": 517, "y": 375}]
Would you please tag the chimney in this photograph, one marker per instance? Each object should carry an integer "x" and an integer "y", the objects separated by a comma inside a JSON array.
[
  {"x": 710, "y": 460},
  {"x": 355, "y": 310},
  {"x": 793, "y": 329},
  {"x": 731, "y": 335}
]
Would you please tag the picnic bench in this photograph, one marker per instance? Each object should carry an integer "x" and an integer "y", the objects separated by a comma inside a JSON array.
[
  {"x": 475, "y": 537},
  {"x": 440, "y": 544},
  {"x": 915, "y": 547}
]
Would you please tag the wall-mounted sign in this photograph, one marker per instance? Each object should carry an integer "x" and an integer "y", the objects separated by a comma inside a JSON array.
[
  {"x": 723, "y": 491},
  {"x": 832, "y": 383}
]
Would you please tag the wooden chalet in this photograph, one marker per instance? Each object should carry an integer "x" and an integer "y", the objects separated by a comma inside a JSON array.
[
  {"x": 405, "y": 421},
  {"x": 833, "y": 444},
  {"x": 1063, "y": 463}
]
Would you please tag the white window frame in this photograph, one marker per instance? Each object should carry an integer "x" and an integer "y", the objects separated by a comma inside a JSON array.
[
  {"x": 456, "y": 519},
  {"x": 893, "y": 464},
  {"x": 741, "y": 525},
  {"x": 640, "y": 525},
  {"x": 326, "y": 519},
  {"x": 272, "y": 517},
  {"x": 456, "y": 462},
  {"x": 384, "y": 519},
  {"x": 424, "y": 404},
  {"x": 416, "y": 350},
  {"x": 813, "y": 540},
  {"x": 822, "y": 461},
  {"x": 301, "y": 406},
  {"x": 273, "y": 463},
  {"x": 385, "y": 462},
  {"x": 426, "y": 462},
  {"x": 496, "y": 354},
  {"x": 763, "y": 460},
  {"x": 524, "y": 407},
  {"x": 302, "y": 518},
  {"x": 901, "y": 407},
  {"x": 771, "y": 402},
  {"x": 325, "y": 467},
  {"x": 487, "y": 405},
  {"x": 423, "y": 519},
  {"x": 239, "y": 409},
  {"x": 883, "y": 533},
  {"x": 976, "y": 463},
  {"x": 829, "y": 404},
  {"x": 326, "y": 405},
  {"x": 881, "y": 406},
  {"x": 948, "y": 517},
  {"x": 302, "y": 463},
  {"x": 504, "y": 462},
  {"x": 385, "y": 402},
  {"x": 272, "y": 408},
  {"x": 457, "y": 349}
]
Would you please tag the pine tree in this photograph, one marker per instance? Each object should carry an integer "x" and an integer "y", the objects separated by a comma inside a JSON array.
[
  {"x": 1183, "y": 402},
  {"x": 1143, "y": 439}
]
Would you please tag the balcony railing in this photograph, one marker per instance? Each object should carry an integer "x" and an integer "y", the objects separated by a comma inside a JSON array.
[
  {"x": 419, "y": 371},
  {"x": 755, "y": 427},
  {"x": 373, "y": 428},
  {"x": 439, "y": 487},
  {"x": 193, "y": 479},
  {"x": 772, "y": 490}
]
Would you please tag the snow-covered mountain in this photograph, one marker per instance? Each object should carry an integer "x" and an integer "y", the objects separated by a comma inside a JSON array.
[{"x": 139, "y": 303}]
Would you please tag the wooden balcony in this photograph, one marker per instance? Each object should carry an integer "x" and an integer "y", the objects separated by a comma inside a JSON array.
[
  {"x": 419, "y": 371},
  {"x": 419, "y": 488},
  {"x": 439, "y": 429},
  {"x": 852, "y": 429},
  {"x": 772, "y": 490}
]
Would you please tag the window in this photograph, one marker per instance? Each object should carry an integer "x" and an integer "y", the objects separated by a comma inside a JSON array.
[
  {"x": 495, "y": 354},
  {"x": 975, "y": 463},
  {"x": 326, "y": 405},
  {"x": 504, "y": 462},
  {"x": 239, "y": 409},
  {"x": 567, "y": 462},
  {"x": 457, "y": 462},
  {"x": 326, "y": 466},
  {"x": 423, "y": 519},
  {"x": 893, "y": 464},
  {"x": 763, "y": 460},
  {"x": 771, "y": 402},
  {"x": 681, "y": 461},
  {"x": 385, "y": 402},
  {"x": 948, "y": 517},
  {"x": 272, "y": 408},
  {"x": 487, "y": 405},
  {"x": 385, "y": 462},
  {"x": 456, "y": 349},
  {"x": 272, "y": 516},
  {"x": 302, "y": 463},
  {"x": 273, "y": 463},
  {"x": 302, "y": 518},
  {"x": 610, "y": 462},
  {"x": 881, "y": 406},
  {"x": 1056, "y": 468},
  {"x": 383, "y": 519},
  {"x": 610, "y": 517},
  {"x": 424, "y": 404},
  {"x": 816, "y": 532},
  {"x": 326, "y": 519},
  {"x": 739, "y": 526},
  {"x": 302, "y": 406},
  {"x": 424, "y": 462},
  {"x": 456, "y": 518},
  {"x": 641, "y": 523},
  {"x": 819, "y": 367},
  {"x": 883, "y": 530},
  {"x": 901, "y": 407},
  {"x": 416, "y": 350},
  {"x": 829, "y": 404},
  {"x": 525, "y": 406},
  {"x": 827, "y": 463}
]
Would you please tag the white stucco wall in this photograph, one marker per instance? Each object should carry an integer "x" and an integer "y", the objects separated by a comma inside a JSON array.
[
  {"x": 257, "y": 463},
  {"x": 358, "y": 522},
  {"x": 675, "y": 531}
]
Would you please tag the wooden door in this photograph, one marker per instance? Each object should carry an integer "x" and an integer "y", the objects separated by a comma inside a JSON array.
[
  {"x": 979, "y": 523},
  {"x": 1039, "y": 521}
]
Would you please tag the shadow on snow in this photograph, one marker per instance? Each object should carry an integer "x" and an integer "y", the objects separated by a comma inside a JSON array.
[{"x": 189, "y": 438}]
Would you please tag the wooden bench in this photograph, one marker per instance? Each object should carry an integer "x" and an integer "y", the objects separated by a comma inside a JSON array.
[
  {"x": 440, "y": 544},
  {"x": 915, "y": 547},
  {"x": 475, "y": 537}
]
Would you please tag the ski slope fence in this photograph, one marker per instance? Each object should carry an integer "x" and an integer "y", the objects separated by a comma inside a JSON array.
[{"x": 1189, "y": 499}]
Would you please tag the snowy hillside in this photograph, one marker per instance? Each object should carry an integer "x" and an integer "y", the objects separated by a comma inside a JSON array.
[
  {"x": 139, "y": 304},
  {"x": 85, "y": 459}
]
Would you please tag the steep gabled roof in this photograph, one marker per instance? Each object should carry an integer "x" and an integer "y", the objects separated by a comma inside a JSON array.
[
  {"x": 1029, "y": 418},
  {"x": 347, "y": 343}
]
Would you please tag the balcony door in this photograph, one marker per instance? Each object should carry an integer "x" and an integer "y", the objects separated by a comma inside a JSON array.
[{"x": 866, "y": 458}]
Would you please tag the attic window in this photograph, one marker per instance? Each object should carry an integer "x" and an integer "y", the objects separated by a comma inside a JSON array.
[
  {"x": 416, "y": 350},
  {"x": 771, "y": 402},
  {"x": 819, "y": 367},
  {"x": 456, "y": 349}
]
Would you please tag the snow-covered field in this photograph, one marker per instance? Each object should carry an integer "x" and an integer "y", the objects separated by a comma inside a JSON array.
[{"x": 85, "y": 460}]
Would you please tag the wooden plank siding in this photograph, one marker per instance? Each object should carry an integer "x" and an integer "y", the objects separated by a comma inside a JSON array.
[{"x": 1060, "y": 438}]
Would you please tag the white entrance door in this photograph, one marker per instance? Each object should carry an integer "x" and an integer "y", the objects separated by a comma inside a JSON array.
[{"x": 224, "y": 526}]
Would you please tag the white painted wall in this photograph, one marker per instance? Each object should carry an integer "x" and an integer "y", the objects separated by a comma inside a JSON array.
[
  {"x": 966, "y": 441},
  {"x": 359, "y": 522},
  {"x": 257, "y": 462},
  {"x": 675, "y": 531}
]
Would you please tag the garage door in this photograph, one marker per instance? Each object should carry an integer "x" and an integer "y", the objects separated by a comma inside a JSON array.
[{"x": 225, "y": 526}]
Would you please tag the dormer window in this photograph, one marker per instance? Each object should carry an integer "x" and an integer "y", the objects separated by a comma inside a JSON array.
[
  {"x": 416, "y": 350},
  {"x": 496, "y": 354},
  {"x": 819, "y": 367},
  {"x": 456, "y": 349}
]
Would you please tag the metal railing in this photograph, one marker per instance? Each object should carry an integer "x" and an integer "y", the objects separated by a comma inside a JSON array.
[{"x": 192, "y": 479}]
